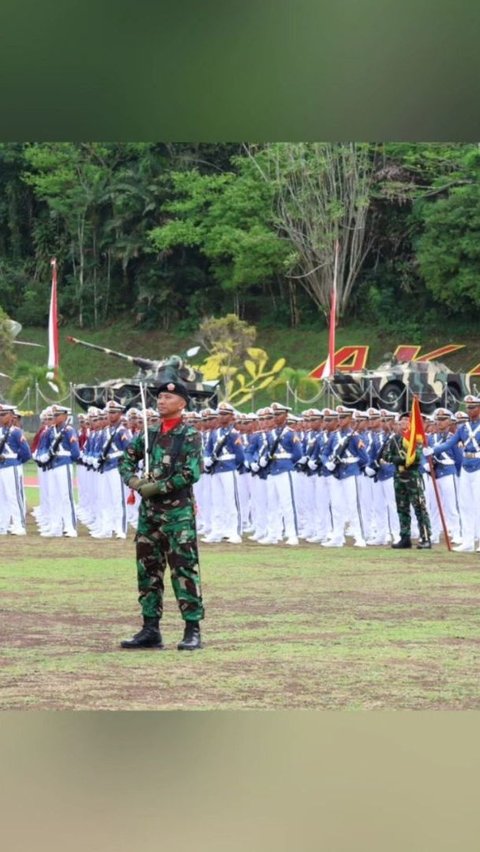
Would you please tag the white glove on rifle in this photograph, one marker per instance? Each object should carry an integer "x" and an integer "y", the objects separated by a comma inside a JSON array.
[
  {"x": 428, "y": 451},
  {"x": 263, "y": 462},
  {"x": 302, "y": 460},
  {"x": 330, "y": 465},
  {"x": 312, "y": 464},
  {"x": 369, "y": 471},
  {"x": 255, "y": 467},
  {"x": 207, "y": 463}
]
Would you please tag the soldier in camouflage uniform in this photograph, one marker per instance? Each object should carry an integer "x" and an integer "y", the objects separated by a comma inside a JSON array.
[
  {"x": 409, "y": 490},
  {"x": 166, "y": 523}
]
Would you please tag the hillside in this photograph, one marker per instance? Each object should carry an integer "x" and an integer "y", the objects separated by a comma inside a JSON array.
[{"x": 303, "y": 347}]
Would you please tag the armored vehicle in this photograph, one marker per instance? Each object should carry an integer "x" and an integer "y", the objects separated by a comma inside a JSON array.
[
  {"x": 393, "y": 384},
  {"x": 151, "y": 374}
]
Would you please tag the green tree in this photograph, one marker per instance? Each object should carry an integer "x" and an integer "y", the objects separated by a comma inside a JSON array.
[
  {"x": 448, "y": 251},
  {"x": 226, "y": 216},
  {"x": 321, "y": 194},
  {"x": 29, "y": 377}
]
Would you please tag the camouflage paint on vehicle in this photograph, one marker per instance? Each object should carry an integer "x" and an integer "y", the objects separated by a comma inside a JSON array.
[
  {"x": 393, "y": 384},
  {"x": 150, "y": 373}
]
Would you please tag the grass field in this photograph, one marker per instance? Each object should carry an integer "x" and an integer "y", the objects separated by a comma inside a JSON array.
[{"x": 285, "y": 628}]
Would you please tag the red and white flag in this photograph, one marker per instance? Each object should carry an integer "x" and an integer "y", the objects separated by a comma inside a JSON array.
[
  {"x": 329, "y": 367},
  {"x": 53, "y": 354}
]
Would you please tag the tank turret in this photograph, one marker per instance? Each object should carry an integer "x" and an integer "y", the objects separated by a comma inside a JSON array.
[{"x": 151, "y": 374}]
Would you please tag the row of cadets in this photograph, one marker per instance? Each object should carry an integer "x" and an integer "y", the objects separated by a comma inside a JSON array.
[
  {"x": 40, "y": 512},
  {"x": 202, "y": 489},
  {"x": 14, "y": 452},
  {"x": 447, "y": 467},
  {"x": 314, "y": 497},
  {"x": 56, "y": 452},
  {"x": 111, "y": 503},
  {"x": 272, "y": 457},
  {"x": 102, "y": 500},
  {"x": 223, "y": 455},
  {"x": 385, "y": 523},
  {"x": 344, "y": 453},
  {"x": 87, "y": 490},
  {"x": 465, "y": 443},
  {"x": 134, "y": 423}
]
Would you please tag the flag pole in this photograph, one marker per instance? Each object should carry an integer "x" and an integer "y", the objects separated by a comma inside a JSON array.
[
  {"x": 439, "y": 503},
  {"x": 329, "y": 367}
]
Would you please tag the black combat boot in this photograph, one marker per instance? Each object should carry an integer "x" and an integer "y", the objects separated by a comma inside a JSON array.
[
  {"x": 191, "y": 637},
  {"x": 148, "y": 637},
  {"x": 424, "y": 544},
  {"x": 404, "y": 543}
]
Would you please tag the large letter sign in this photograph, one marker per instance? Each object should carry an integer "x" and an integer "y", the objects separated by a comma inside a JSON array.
[{"x": 347, "y": 359}]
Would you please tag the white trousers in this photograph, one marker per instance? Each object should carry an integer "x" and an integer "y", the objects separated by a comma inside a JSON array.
[
  {"x": 12, "y": 499},
  {"x": 226, "y": 517},
  {"x": 61, "y": 510},
  {"x": 282, "y": 515},
  {"x": 469, "y": 503},
  {"x": 111, "y": 506},
  {"x": 345, "y": 508},
  {"x": 448, "y": 487}
]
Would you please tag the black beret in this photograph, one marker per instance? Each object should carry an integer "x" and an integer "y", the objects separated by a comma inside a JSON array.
[{"x": 174, "y": 387}]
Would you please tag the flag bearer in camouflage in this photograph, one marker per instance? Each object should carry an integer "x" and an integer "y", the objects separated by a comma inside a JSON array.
[
  {"x": 166, "y": 523},
  {"x": 409, "y": 489}
]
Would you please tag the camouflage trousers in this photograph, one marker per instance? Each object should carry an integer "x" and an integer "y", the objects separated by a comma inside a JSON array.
[
  {"x": 409, "y": 491},
  {"x": 168, "y": 535}
]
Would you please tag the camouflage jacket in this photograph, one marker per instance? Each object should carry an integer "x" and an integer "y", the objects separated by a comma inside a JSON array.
[
  {"x": 396, "y": 454},
  {"x": 170, "y": 478}
]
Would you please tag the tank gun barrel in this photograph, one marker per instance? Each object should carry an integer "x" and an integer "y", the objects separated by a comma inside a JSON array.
[{"x": 143, "y": 363}]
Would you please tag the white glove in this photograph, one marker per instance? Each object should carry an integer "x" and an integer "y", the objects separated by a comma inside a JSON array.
[
  {"x": 263, "y": 462},
  {"x": 246, "y": 465},
  {"x": 312, "y": 464},
  {"x": 207, "y": 463},
  {"x": 302, "y": 460},
  {"x": 428, "y": 451},
  {"x": 255, "y": 467},
  {"x": 95, "y": 464},
  {"x": 370, "y": 471},
  {"x": 330, "y": 465},
  {"x": 43, "y": 458}
]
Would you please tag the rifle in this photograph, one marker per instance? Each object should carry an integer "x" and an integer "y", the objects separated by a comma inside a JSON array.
[
  {"x": 263, "y": 471},
  {"x": 219, "y": 445},
  {"x": 103, "y": 458},
  {"x": 259, "y": 472},
  {"x": 303, "y": 467},
  {"x": 341, "y": 450},
  {"x": 376, "y": 464},
  {"x": 52, "y": 452}
]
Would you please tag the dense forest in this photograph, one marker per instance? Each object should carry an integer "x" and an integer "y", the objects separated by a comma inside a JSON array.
[{"x": 167, "y": 234}]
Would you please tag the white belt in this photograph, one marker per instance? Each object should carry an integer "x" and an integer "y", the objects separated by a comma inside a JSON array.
[
  {"x": 446, "y": 461},
  {"x": 471, "y": 455},
  {"x": 226, "y": 457},
  {"x": 348, "y": 461},
  {"x": 9, "y": 454},
  {"x": 64, "y": 453},
  {"x": 281, "y": 456},
  {"x": 115, "y": 455}
]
